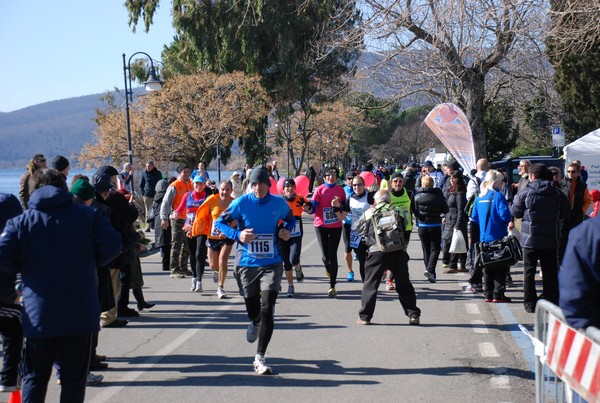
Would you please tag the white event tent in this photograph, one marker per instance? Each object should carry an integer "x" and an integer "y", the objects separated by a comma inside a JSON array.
[{"x": 587, "y": 150}]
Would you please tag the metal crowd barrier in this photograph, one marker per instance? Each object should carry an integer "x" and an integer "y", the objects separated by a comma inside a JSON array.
[{"x": 568, "y": 368}]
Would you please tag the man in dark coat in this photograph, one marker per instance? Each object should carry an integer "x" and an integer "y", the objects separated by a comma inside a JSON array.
[
  {"x": 56, "y": 246},
  {"x": 541, "y": 206},
  {"x": 148, "y": 180},
  {"x": 579, "y": 278}
]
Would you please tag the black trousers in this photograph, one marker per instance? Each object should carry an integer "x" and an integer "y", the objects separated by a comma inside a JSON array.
[
  {"x": 198, "y": 252},
  {"x": 72, "y": 353},
  {"x": 477, "y": 275},
  {"x": 329, "y": 240},
  {"x": 548, "y": 259},
  {"x": 431, "y": 238},
  {"x": 397, "y": 263},
  {"x": 11, "y": 331}
]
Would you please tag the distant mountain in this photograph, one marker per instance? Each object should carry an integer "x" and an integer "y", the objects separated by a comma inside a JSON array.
[
  {"x": 64, "y": 126},
  {"x": 56, "y": 127}
]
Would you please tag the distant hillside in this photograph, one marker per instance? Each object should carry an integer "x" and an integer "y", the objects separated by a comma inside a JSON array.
[{"x": 57, "y": 127}]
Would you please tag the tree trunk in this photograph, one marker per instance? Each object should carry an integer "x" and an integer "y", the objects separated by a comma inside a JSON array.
[{"x": 473, "y": 95}]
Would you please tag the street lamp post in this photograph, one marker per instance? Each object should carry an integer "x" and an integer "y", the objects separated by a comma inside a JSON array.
[{"x": 153, "y": 84}]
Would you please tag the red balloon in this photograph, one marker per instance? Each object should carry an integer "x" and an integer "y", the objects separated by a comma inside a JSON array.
[
  {"x": 273, "y": 188},
  {"x": 302, "y": 183},
  {"x": 280, "y": 185},
  {"x": 368, "y": 177}
]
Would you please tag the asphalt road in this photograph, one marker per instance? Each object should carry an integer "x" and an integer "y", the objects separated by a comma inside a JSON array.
[{"x": 191, "y": 346}]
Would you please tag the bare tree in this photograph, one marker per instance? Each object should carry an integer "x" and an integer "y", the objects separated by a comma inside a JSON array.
[
  {"x": 464, "y": 51},
  {"x": 574, "y": 27}
]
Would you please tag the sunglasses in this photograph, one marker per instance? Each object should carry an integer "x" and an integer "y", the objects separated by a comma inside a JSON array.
[{"x": 571, "y": 172}]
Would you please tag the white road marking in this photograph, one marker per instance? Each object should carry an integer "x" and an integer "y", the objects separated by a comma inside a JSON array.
[
  {"x": 479, "y": 326},
  {"x": 500, "y": 382},
  {"x": 109, "y": 392},
  {"x": 488, "y": 350},
  {"x": 472, "y": 308}
]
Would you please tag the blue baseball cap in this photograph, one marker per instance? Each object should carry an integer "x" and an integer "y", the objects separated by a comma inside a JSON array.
[{"x": 199, "y": 178}]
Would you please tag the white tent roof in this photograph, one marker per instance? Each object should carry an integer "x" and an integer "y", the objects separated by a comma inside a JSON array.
[{"x": 586, "y": 145}]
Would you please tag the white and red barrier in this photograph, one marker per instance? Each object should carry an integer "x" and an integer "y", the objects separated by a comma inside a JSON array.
[{"x": 574, "y": 358}]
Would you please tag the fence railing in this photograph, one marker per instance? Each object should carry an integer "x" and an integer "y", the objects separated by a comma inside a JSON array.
[{"x": 568, "y": 368}]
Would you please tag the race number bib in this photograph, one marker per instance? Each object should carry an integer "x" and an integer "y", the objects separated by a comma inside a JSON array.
[
  {"x": 356, "y": 213},
  {"x": 261, "y": 247},
  {"x": 354, "y": 239},
  {"x": 329, "y": 216},
  {"x": 214, "y": 232},
  {"x": 296, "y": 231}
]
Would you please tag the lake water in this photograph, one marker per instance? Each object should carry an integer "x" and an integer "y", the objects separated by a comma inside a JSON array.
[{"x": 9, "y": 178}]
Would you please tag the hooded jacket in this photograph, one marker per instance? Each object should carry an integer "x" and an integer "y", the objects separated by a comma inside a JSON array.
[
  {"x": 541, "y": 206},
  {"x": 56, "y": 245},
  {"x": 579, "y": 277}
]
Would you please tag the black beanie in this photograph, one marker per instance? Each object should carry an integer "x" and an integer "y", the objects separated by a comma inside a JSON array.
[
  {"x": 59, "y": 163},
  {"x": 259, "y": 174}
]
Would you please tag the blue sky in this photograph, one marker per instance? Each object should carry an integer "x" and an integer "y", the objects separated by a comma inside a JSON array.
[{"x": 67, "y": 48}]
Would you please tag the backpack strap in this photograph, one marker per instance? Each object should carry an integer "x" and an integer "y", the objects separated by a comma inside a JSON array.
[{"x": 487, "y": 218}]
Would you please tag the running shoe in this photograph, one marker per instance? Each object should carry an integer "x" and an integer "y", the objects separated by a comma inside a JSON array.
[
  {"x": 93, "y": 380},
  {"x": 194, "y": 282},
  {"x": 332, "y": 293},
  {"x": 414, "y": 320},
  {"x": 390, "y": 286},
  {"x": 350, "y": 276},
  {"x": 355, "y": 257},
  {"x": 216, "y": 276},
  {"x": 290, "y": 292},
  {"x": 488, "y": 300},
  {"x": 198, "y": 286},
  {"x": 445, "y": 265},
  {"x": 252, "y": 332},
  {"x": 430, "y": 277},
  {"x": 299, "y": 274},
  {"x": 221, "y": 293},
  {"x": 261, "y": 367},
  {"x": 364, "y": 322}
]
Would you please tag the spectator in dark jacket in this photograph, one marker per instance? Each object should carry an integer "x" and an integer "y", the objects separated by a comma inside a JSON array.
[
  {"x": 579, "y": 278},
  {"x": 148, "y": 180},
  {"x": 541, "y": 206},
  {"x": 122, "y": 215},
  {"x": 456, "y": 218},
  {"x": 56, "y": 246},
  {"x": 162, "y": 236},
  {"x": 38, "y": 161},
  {"x": 429, "y": 205},
  {"x": 11, "y": 328}
]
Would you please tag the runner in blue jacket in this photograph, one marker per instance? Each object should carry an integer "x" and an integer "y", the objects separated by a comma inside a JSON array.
[{"x": 259, "y": 266}]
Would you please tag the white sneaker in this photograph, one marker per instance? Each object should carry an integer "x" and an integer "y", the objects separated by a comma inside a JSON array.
[
  {"x": 216, "y": 276},
  {"x": 261, "y": 367},
  {"x": 93, "y": 379},
  {"x": 221, "y": 293},
  {"x": 194, "y": 282},
  {"x": 198, "y": 286},
  {"x": 290, "y": 292},
  {"x": 252, "y": 332}
]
